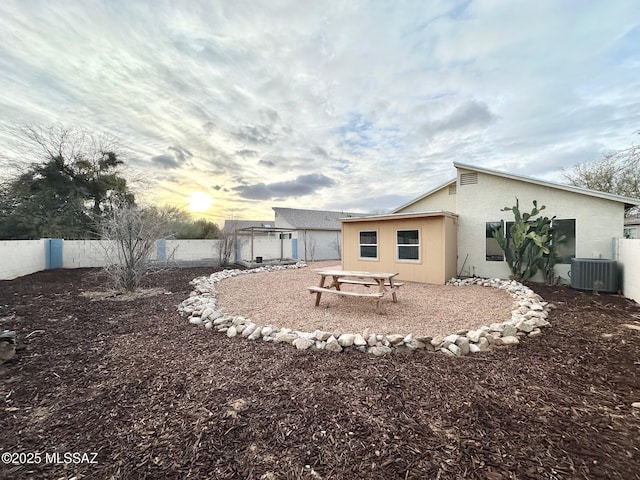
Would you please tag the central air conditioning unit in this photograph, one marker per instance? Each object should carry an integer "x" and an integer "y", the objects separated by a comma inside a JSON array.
[{"x": 594, "y": 274}]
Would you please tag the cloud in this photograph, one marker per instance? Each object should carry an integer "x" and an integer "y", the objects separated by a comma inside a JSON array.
[
  {"x": 247, "y": 97},
  {"x": 319, "y": 151},
  {"x": 165, "y": 161},
  {"x": 245, "y": 153},
  {"x": 172, "y": 160},
  {"x": 254, "y": 134},
  {"x": 301, "y": 186},
  {"x": 468, "y": 115},
  {"x": 181, "y": 153}
]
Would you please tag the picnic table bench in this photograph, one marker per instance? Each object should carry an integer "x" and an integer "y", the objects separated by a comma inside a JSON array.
[{"x": 384, "y": 282}]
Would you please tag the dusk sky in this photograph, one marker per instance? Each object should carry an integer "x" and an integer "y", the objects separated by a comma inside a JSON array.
[{"x": 239, "y": 106}]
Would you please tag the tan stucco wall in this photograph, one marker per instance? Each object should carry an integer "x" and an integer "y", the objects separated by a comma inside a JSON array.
[
  {"x": 432, "y": 266},
  {"x": 450, "y": 247},
  {"x": 598, "y": 221},
  {"x": 438, "y": 200}
]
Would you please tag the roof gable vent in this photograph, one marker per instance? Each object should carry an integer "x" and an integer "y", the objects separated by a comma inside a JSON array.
[
  {"x": 453, "y": 189},
  {"x": 468, "y": 178}
]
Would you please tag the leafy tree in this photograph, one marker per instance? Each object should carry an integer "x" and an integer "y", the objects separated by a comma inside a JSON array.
[
  {"x": 71, "y": 182},
  {"x": 186, "y": 228},
  {"x": 617, "y": 173},
  {"x": 531, "y": 243}
]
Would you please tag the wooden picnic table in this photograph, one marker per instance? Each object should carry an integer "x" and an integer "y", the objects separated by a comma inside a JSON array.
[{"x": 384, "y": 281}]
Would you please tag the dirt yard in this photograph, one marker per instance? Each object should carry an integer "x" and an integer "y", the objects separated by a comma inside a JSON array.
[{"x": 154, "y": 397}]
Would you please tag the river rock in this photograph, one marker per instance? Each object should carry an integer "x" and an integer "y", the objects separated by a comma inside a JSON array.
[
  {"x": 359, "y": 340},
  {"x": 333, "y": 345},
  {"x": 346, "y": 339},
  {"x": 256, "y": 334},
  {"x": 249, "y": 329},
  {"x": 303, "y": 343},
  {"x": 507, "y": 341},
  {"x": 378, "y": 351},
  {"x": 509, "y": 330},
  {"x": 285, "y": 337},
  {"x": 455, "y": 349},
  {"x": 322, "y": 336},
  {"x": 483, "y": 344},
  {"x": 395, "y": 339},
  {"x": 463, "y": 345},
  {"x": 524, "y": 326}
]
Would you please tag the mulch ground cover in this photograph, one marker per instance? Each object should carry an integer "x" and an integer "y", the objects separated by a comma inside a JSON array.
[{"x": 154, "y": 397}]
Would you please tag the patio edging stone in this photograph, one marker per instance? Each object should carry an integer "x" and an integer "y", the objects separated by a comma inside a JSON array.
[{"x": 529, "y": 315}]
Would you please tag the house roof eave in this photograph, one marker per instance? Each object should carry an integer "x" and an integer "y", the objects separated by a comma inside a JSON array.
[{"x": 400, "y": 216}]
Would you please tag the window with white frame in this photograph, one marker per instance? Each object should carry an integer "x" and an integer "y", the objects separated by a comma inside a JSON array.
[
  {"x": 408, "y": 244},
  {"x": 369, "y": 244}
]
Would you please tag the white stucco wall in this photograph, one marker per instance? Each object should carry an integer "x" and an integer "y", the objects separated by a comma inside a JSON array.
[
  {"x": 325, "y": 243},
  {"x": 628, "y": 257},
  {"x": 598, "y": 221},
  {"x": 320, "y": 244}
]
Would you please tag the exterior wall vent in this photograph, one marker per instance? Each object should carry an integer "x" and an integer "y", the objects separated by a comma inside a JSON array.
[
  {"x": 453, "y": 189},
  {"x": 468, "y": 178},
  {"x": 594, "y": 274}
]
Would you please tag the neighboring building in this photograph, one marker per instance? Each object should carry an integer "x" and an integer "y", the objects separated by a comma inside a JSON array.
[
  {"x": 590, "y": 220},
  {"x": 316, "y": 234},
  {"x": 258, "y": 239},
  {"x": 632, "y": 227},
  {"x": 244, "y": 227}
]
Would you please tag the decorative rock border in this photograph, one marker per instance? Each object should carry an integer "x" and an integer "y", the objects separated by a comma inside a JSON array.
[{"x": 529, "y": 315}]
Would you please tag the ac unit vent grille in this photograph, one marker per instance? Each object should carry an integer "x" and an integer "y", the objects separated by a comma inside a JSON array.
[
  {"x": 468, "y": 178},
  {"x": 594, "y": 274}
]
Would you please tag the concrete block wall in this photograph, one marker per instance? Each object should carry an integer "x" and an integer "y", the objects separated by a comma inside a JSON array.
[
  {"x": 21, "y": 257},
  {"x": 192, "y": 250},
  {"x": 83, "y": 253}
]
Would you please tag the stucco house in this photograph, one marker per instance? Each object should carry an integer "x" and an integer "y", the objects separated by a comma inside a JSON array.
[
  {"x": 315, "y": 234},
  {"x": 473, "y": 201}
]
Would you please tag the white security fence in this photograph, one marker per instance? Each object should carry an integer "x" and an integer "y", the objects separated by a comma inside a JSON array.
[
  {"x": 22, "y": 257},
  {"x": 628, "y": 257}
]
